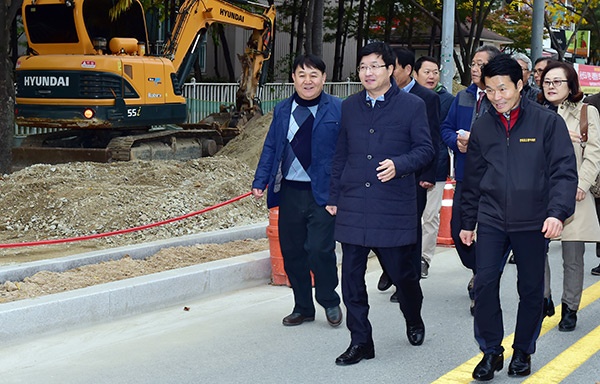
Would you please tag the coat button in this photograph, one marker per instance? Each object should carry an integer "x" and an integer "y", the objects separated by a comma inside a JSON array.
[
  {"x": 367, "y": 184},
  {"x": 369, "y": 157},
  {"x": 371, "y": 130}
]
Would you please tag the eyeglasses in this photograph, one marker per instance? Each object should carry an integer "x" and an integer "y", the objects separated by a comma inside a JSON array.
[
  {"x": 555, "y": 83},
  {"x": 372, "y": 67},
  {"x": 479, "y": 65}
]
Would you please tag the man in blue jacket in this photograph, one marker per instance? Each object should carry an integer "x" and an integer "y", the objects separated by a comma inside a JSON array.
[
  {"x": 427, "y": 73},
  {"x": 384, "y": 139},
  {"x": 519, "y": 187},
  {"x": 468, "y": 105},
  {"x": 296, "y": 165}
]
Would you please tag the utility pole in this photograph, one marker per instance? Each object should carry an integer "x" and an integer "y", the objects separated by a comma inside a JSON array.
[
  {"x": 447, "y": 55},
  {"x": 537, "y": 29},
  {"x": 447, "y": 44}
]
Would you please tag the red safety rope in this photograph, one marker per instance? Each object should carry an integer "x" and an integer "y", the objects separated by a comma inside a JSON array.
[{"x": 122, "y": 231}]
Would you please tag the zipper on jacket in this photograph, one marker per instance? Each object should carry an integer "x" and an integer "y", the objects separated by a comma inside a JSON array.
[{"x": 507, "y": 133}]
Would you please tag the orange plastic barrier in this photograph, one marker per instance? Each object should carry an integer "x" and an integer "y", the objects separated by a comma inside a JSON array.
[
  {"x": 278, "y": 275},
  {"x": 444, "y": 236}
]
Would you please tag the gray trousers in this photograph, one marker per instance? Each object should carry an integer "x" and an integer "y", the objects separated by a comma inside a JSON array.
[{"x": 572, "y": 255}]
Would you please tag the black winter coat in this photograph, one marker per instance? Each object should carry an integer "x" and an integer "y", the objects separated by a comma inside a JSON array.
[
  {"x": 515, "y": 181},
  {"x": 371, "y": 213}
]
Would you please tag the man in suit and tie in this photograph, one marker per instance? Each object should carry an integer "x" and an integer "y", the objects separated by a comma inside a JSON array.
[{"x": 405, "y": 62}]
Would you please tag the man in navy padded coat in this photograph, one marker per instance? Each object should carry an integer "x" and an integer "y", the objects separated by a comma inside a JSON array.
[
  {"x": 296, "y": 164},
  {"x": 384, "y": 139},
  {"x": 519, "y": 187}
]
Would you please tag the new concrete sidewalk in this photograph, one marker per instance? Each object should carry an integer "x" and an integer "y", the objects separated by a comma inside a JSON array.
[{"x": 106, "y": 302}]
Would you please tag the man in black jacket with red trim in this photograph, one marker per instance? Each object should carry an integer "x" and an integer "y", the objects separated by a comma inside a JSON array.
[{"x": 519, "y": 187}]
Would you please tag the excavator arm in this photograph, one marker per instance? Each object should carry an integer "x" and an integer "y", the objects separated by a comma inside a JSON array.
[{"x": 195, "y": 16}]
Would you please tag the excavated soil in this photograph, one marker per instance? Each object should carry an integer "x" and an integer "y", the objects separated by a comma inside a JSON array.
[{"x": 48, "y": 202}]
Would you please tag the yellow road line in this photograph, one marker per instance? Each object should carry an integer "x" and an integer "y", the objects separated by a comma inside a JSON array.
[
  {"x": 462, "y": 373},
  {"x": 568, "y": 361}
]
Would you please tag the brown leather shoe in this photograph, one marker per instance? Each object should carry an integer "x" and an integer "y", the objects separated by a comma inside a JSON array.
[{"x": 296, "y": 319}]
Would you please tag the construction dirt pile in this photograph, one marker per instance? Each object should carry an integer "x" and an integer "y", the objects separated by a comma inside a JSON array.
[{"x": 46, "y": 202}]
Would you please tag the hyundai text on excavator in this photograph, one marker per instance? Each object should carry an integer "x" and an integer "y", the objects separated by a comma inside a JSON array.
[{"x": 89, "y": 73}]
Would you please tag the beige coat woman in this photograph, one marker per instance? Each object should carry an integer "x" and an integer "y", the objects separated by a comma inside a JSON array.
[
  {"x": 583, "y": 225},
  {"x": 561, "y": 90}
]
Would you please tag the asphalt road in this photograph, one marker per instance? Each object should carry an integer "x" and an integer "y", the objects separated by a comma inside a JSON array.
[{"x": 238, "y": 338}]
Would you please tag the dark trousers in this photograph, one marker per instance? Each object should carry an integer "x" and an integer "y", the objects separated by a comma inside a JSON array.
[
  {"x": 307, "y": 244},
  {"x": 401, "y": 266},
  {"x": 421, "y": 203},
  {"x": 417, "y": 250},
  {"x": 529, "y": 248},
  {"x": 466, "y": 253}
]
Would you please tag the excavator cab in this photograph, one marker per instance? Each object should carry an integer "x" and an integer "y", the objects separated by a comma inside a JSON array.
[
  {"x": 88, "y": 74},
  {"x": 61, "y": 27}
]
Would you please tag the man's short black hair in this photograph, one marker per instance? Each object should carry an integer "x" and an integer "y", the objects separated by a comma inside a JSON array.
[
  {"x": 503, "y": 65},
  {"x": 423, "y": 59},
  {"x": 405, "y": 57},
  {"x": 540, "y": 59},
  {"x": 380, "y": 49},
  {"x": 309, "y": 60}
]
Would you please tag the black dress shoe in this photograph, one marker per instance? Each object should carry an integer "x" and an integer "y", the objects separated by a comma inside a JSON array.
[
  {"x": 596, "y": 271},
  {"x": 354, "y": 354},
  {"x": 490, "y": 363},
  {"x": 470, "y": 288},
  {"x": 384, "y": 282},
  {"x": 296, "y": 319},
  {"x": 548, "y": 307},
  {"x": 415, "y": 334},
  {"x": 569, "y": 319},
  {"x": 394, "y": 297},
  {"x": 334, "y": 316},
  {"x": 520, "y": 364},
  {"x": 424, "y": 269}
]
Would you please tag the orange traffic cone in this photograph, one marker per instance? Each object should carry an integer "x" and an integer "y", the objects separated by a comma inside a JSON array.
[
  {"x": 444, "y": 236},
  {"x": 278, "y": 275}
]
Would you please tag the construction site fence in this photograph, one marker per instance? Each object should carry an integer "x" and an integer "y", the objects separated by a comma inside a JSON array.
[{"x": 206, "y": 98}]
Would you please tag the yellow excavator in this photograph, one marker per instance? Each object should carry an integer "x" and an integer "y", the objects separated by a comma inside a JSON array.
[{"x": 89, "y": 72}]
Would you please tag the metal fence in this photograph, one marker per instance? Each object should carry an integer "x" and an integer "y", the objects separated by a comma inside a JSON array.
[{"x": 206, "y": 98}]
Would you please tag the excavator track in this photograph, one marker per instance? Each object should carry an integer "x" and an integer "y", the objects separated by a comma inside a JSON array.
[
  {"x": 164, "y": 145},
  {"x": 66, "y": 146}
]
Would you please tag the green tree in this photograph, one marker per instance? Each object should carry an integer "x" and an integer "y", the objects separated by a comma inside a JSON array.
[
  {"x": 576, "y": 14},
  {"x": 8, "y": 16},
  {"x": 512, "y": 21}
]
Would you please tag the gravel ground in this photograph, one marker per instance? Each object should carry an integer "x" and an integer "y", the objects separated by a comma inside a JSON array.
[{"x": 45, "y": 202}]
